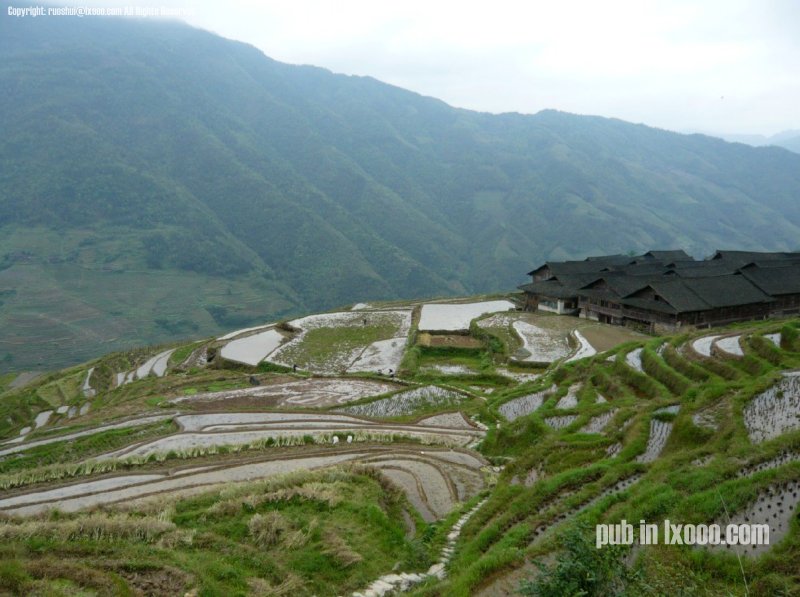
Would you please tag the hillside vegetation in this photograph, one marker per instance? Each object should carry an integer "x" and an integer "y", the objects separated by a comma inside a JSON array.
[
  {"x": 159, "y": 181},
  {"x": 454, "y": 467}
]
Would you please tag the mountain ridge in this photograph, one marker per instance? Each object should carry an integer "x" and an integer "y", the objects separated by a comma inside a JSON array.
[{"x": 270, "y": 189}]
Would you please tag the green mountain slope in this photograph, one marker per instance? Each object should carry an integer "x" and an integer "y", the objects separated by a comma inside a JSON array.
[{"x": 139, "y": 151}]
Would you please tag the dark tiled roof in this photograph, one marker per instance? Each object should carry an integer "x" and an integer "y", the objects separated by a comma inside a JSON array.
[
  {"x": 730, "y": 279},
  {"x": 649, "y": 305},
  {"x": 645, "y": 268},
  {"x": 576, "y": 281},
  {"x": 678, "y": 263},
  {"x": 614, "y": 286},
  {"x": 726, "y": 291},
  {"x": 789, "y": 261},
  {"x": 590, "y": 264},
  {"x": 713, "y": 269},
  {"x": 700, "y": 294},
  {"x": 611, "y": 259},
  {"x": 748, "y": 256},
  {"x": 675, "y": 292},
  {"x": 578, "y": 267},
  {"x": 551, "y": 288},
  {"x": 572, "y": 267},
  {"x": 561, "y": 286},
  {"x": 775, "y": 281},
  {"x": 669, "y": 255}
]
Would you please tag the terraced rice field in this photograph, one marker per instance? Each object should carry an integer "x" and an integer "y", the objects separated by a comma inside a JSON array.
[
  {"x": 646, "y": 453},
  {"x": 784, "y": 457},
  {"x": 407, "y": 403},
  {"x": 155, "y": 365},
  {"x": 244, "y": 331},
  {"x": 585, "y": 349},
  {"x": 253, "y": 348},
  {"x": 775, "y": 411},
  {"x": 203, "y": 432},
  {"x": 599, "y": 423},
  {"x": 634, "y": 359},
  {"x": 451, "y": 369},
  {"x": 382, "y": 356},
  {"x": 42, "y": 418},
  {"x": 672, "y": 409},
  {"x": 307, "y": 393},
  {"x": 656, "y": 441},
  {"x": 519, "y": 376},
  {"x": 702, "y": 346},
  {"x": 618, "y": 487},
  {"x": 453, "y": 317},
  {"x": 524, "y": 405},
  {"x": 731, "y": 345},
  {"x": 539, "y": 344},
  {"x": 570, "y": 399},
  {"x": 433, "y": 479},
  {"x": 774, "y": 338},
  {"x": 775, "y": 506},
  {"x": 542, "y": 346},
  {"x": 561, "y": 421},
  {"x": 334, "y": 343},
  {"x": 86, "y": 388},
  {"x": 134, "y": 422}
]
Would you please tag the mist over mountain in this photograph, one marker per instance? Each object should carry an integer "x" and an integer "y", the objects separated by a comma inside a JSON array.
[
  {"x": 161, "y": 181},
  {"x": 787, "y": 139}
]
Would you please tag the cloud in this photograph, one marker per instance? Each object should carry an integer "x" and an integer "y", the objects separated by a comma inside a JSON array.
[{"x": 663, "y": 62}]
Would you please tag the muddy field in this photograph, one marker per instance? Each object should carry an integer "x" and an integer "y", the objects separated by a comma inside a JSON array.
[{"x": 448, "y": 340}]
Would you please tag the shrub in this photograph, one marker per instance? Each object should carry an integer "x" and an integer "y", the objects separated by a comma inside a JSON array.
[
  {"x": 582, "y": 569},
  {"x": 268, "y": 529},
  {"x": 13, "y": 577},
  {"x": 497, "y": 348},
  {"x": 789, "y": 338}
]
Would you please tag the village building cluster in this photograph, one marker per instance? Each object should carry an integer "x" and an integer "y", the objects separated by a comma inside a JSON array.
[{"x": 662, "y": 291}]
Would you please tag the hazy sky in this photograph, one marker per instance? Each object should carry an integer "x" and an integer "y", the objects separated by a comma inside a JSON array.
[{"x": 729, "y": 66}]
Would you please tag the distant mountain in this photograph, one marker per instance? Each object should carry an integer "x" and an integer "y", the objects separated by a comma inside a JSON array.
[
  {"x": 787, "y": 139},
  {"x": 160, "y": 181}
]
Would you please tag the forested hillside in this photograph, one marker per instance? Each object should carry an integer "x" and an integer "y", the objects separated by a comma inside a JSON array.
[{"x": 160, "y": 181}]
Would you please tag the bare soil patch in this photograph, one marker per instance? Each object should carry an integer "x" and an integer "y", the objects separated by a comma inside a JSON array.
[{"x": 448, "y": 340}]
